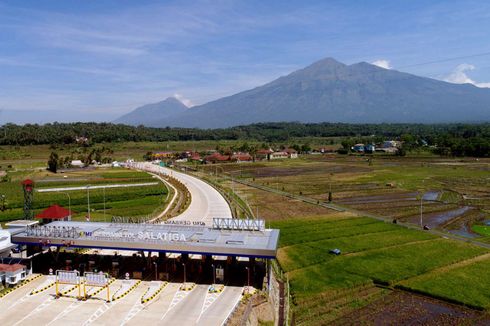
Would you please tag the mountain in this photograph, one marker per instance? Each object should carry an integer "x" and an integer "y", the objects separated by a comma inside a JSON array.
[
  {"x": 147, "y": 114},
  {"x": 330, "y": 91}
]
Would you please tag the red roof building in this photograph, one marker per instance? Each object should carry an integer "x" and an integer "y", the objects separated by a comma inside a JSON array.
[
  {"x": 241, "y": 157},
  {"x": 12, "y": 274},
  {"x": 11, "y": 268},
  {"x": 55, "y": 212},
  {"x": 217, "y": 157}
]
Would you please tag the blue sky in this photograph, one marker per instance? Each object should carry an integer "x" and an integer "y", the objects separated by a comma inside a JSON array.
[{"x": 95, "y": 60}]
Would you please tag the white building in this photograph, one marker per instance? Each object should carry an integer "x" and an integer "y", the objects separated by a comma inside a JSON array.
[
  {"x": 77, "y": 163},
  {"x": 12, "y": 274}
]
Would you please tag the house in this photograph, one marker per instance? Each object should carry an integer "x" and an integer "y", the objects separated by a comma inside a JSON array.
[
  {"x": 391, "y": 144},
  {"x": 217, "y": 158},
  {"x": 195, "y": 157},
  {"x": 12, "y": 274},
  {"x": 370, "y": 148},
  {"x": 81, "y": 140},
  {"x": 279, "y": 155},
  {"x": 55, "y": 212},
  {"x": 77, "y": 163},
  {"x": 264, "y": 154},
  {"x": 163, "y": 155},
  {"x": 241, "y": 157},
  {"x": 358, "y": 148},
  {"x": 292, "y": 153}
]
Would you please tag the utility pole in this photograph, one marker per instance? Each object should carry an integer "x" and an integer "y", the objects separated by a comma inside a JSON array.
[
  {"x": 104, "y": 202},
  {"x": 421, "y": 210},
  {"x": 88, "y": 202},
  {"x": 69, "y": 201}
]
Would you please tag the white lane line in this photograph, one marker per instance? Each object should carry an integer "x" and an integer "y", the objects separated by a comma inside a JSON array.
[
  {"x": 178, "y": 297},
  {"x": 232, "y": 309},
  {"x": 208, "y": 301},
  {"x": 20, "y": 301},
  {"x": 65, "y": 312},
  {"x": 39, "y": 308},
  {"x": 99, "y": 312},
  {"x": 137, "y": 307}
]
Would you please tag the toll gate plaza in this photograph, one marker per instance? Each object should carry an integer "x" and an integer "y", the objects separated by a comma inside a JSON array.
[{"x": 227, "y": 237}]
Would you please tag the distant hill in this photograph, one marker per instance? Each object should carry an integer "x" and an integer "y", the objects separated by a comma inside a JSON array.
[
  {"x": 330, "y": 91},
  {"x": 147, "y": 114}
]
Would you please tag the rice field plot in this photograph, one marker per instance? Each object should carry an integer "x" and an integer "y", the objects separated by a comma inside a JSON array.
[
  {"x": 314, "y": 232},
  {"x": 483, "y": 230},
  {"x": 388, "y": 265},
  {"x": 311, "y": 253},
  {"x": 468, "y": 284},
  {"x": 375, "y": 252}
]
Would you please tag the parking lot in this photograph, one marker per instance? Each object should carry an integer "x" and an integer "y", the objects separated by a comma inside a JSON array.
[{"x": 171, "y": 304}]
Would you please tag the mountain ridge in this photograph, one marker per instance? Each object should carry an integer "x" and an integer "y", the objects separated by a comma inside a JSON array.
[
  {"x": 330, "y": 91},
  {"x": 147, "y": 114}
]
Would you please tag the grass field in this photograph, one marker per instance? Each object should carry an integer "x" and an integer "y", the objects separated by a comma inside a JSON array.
[
  {"x": 128, "y": 202},
  {"x": 373, "y": 252}
]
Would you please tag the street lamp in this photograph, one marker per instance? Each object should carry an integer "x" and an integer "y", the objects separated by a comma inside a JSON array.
[
  {"x": 184, "y": 273},
  {"x": 88, "y": 202},
  {"x": 69, "y": 200},
  {"x": 214, "y": 273},
  {"x": 104, "y": 202}
]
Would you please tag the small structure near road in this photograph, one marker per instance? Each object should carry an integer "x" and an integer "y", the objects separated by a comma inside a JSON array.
[
  {"x": 12, "y": 274},
  {"x": 55, "y": 213}
]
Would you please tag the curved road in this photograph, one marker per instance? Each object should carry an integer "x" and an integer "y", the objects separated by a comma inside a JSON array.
[{"x": 206, "y": 202}]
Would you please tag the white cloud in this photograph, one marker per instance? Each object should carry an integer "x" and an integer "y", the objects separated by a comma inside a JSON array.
[
  {"x": 382, "y": 63},
  {"x": 187, "y": 102},
  {"x": 459, "y": 76}
]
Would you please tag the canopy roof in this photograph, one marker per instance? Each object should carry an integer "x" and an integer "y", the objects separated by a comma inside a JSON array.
[{"x": 54, "y": 212}]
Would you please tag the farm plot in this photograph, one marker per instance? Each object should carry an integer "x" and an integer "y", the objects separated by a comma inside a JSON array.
[
  {"x": 326, "y": 286},
  {"x": 468, "y": 284}
]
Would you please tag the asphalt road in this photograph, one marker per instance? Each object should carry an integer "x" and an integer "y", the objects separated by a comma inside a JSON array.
[
  {"x": 171, "y": 306},
  {"x": 206, "y": 202}
]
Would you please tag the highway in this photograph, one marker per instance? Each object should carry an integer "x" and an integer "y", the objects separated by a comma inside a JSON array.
[
  {"x": 170, "y": 306},
  {"x": 206, "y": 201}
]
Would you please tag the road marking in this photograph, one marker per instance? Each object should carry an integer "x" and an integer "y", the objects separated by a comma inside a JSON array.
[
  {"x": 208, "y": 301},
  {"x": 21, "y": 300},
  {"x": 65, "y": 312},
  {"x": 39, "y": 308},
  {"x": 178, "y": 297},
  {"x": 137, "y": 307},
  {"x": 99, "y": 312},
  {"x": 232, "y": 309}
]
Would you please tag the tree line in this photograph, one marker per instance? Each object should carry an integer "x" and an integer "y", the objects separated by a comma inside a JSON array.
[{"x": 455, "y": 139}]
